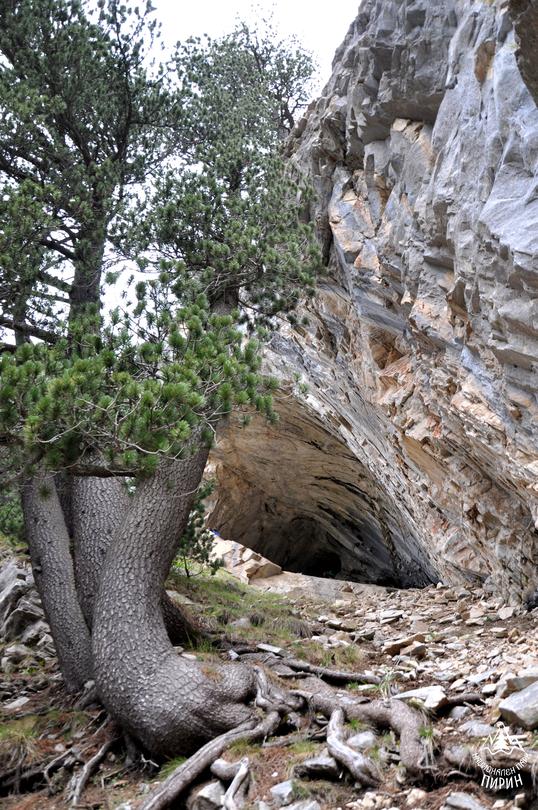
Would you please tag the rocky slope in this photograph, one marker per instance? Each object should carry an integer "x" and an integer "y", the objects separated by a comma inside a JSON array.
[{"x": 413, "y": 456}]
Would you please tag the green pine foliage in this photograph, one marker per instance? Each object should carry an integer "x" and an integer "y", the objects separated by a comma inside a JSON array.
[
  {"x": 195, "y": 549},
  {"x": 175, "y": 167}
]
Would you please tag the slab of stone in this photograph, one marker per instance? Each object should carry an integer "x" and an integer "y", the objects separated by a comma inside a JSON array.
[
  {"x": 416, "y": 650},
  {"x": 322, "y": 766},
  {"x": 432, "y": 696},
  {"x": 16, "y": 704},
  {"x": 522, "y": 680},
  {"x": 474, "y": 728},
  {"x": 463, "y": 801},
  {"x": 210, "y": 797},
  {"x": 521, "y": 708},
  {"x": 362, "y": 741},
  {"x": 394, "y": 646}
]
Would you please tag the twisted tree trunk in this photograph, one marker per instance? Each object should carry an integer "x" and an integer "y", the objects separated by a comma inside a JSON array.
[
  {"x": 99, "y": 507},
  {"x": 170, "y": 703},
  {"x": 49, "y": 545}
]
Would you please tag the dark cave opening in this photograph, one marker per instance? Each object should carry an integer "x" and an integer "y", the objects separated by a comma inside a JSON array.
[
  {"x": 295, "y": 494},
  {"x": 326, "y": 564}
]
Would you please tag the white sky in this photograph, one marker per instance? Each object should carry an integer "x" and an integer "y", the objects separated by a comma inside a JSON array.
[{"x": 320, "y": 26}]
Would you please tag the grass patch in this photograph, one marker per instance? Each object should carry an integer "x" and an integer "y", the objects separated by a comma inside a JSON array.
[
  {"x": 221, "y": 599},
  {"x": 170, "y": 766},
  {"x": 345, "y": 658},
  {"x": 243, "y": 748},
  {"x": 304, "y": 747},
  {"x": 357, "y": 725}
]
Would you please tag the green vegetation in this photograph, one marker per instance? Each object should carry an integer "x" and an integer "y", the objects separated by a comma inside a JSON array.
[
  {"x": 221, "y": 599},
  {"x": 177, "y": 169}
]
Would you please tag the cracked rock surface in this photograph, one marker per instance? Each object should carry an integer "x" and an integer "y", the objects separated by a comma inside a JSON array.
[{"x": 413, "y": 455}]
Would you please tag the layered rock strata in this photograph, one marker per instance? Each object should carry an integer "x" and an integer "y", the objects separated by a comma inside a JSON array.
[{"x": 413, "y": 455}]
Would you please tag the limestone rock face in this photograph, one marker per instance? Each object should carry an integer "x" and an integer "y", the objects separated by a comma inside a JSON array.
[{"x": 413, "y": 455}]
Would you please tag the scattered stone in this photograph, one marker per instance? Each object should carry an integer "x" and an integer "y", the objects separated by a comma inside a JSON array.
[
  {"x": 474, "y": 728},
  {"x": 16, "y": 704},
  {"x": 463, "y": 801},
  {"x": 522, "y": 680},
  {"x": 431, "y": 696},
  {"x": 210, "y": 797},
  {"x": 459, "y": 712},
  {"x": 242, "y": 623},
  {"x": 416, "y": 650},
  {"x": 307, "y": 804},
  {"x": 283, "y": 793},
  {"x": 322, "y": 766},
  {"x": 415, "y": 797},
  {"x": 362, "y": 741},
  {"x": 506, "y": 613},
  {"x": 269, "y": 648},
  {"x": 521, "y": 708},
  {"x": 394, "y": 647}
]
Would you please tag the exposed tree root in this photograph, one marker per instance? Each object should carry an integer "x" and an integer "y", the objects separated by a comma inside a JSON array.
[
  {"x": 391, "y": 713},
  {"x": 360, "y": 767},
  {"x": 458, "y": 700},
  {"x": 236, "y": 793},
  {"x": 182, "y": 777},
  {"x": 224, "y": 770},
  {"x": 16, "y": 780},
  {"x": 336, "y": 707},
  {"x": 331, "y": 675},
  {"x": 300, "y": 667}
]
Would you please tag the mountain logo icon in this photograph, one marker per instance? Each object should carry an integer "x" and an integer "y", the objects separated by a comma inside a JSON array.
[{"x": 501, "y": 742}]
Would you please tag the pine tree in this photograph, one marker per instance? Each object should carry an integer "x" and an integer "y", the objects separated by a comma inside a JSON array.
[{"x": 176, "y": 169}]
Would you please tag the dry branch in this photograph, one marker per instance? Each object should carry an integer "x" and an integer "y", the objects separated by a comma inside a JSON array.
[{"x": 87, "y": 771}]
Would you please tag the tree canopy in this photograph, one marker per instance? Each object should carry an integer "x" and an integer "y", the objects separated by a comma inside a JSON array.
[{"x": 110, "y": 161}]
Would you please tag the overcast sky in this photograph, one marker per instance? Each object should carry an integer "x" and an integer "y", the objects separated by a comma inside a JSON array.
[{"x": 321, "y": 26}]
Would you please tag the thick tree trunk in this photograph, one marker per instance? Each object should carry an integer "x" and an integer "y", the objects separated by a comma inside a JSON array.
[
  {"x": 99, "y": 508},
  {"x": 170, "y": 703},
  {"x": 88, "y": 263},
  {"x": 48, "y": 541}
]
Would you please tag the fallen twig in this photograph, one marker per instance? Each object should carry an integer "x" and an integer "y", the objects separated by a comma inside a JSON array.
[{"x": 87, "y": 771}]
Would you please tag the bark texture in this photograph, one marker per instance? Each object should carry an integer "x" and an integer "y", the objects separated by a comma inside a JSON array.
[
  {"x": 170, "y": 703},
  {"x": 49, "y": 545},
  {"x": 99, "y": 507}
]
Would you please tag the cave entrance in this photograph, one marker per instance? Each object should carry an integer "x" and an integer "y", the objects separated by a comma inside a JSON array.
[{"x": 295, "y": 493}]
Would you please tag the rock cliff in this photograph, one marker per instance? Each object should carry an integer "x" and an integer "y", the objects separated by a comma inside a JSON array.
[{"x": 413, "y": 454}]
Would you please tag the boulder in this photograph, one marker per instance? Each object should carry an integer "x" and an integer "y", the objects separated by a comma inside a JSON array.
[{"x": 521, "y": 708}]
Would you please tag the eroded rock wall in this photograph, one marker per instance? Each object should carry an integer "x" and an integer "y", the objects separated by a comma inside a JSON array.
[{"x": 421, "y": 355}]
